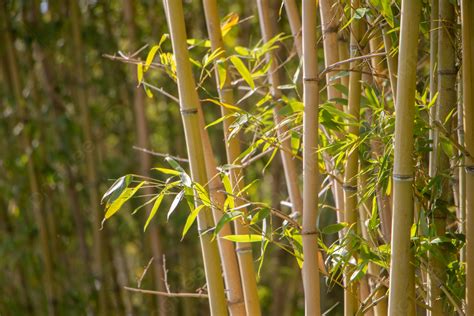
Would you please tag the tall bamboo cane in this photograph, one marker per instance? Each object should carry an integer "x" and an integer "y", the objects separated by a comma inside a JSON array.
[
  {"x": 468, "y": 100},
  {"x": 189, "y": 104},
  {"x": 295, "y": 23},
  {"x": 226, "y": 95},
  {"x": 434, "y": 35},
  {"x": 310, "y": 160},
  {"x": 142, "y": 135},
  {"x": 446, "y": 102},
  {"x": 401, "y": 296},
  {"x": 289, "y": 165},
  {"x": 352, "y": 162}
]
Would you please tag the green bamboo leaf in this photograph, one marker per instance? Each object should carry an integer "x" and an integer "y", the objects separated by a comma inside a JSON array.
[
  {"x": 243, "y": 71},
  {"x": 226, "y": 218},
  {"x": 190, "y": 220},
  {"x": 120, "y": 201},
  {"x": 245, "y": 238},
  {"x": 334, "y": 228},
  {"x": 229, "y": 201},
  {"x": 154, "y": 209}
]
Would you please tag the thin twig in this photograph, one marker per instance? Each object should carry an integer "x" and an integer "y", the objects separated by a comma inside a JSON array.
[
  {"x": 346, "y": 61},
  {"x": 154, "y": 153},
  {"x": 139, "y": 283},
  {"x": 185, "y": 295}
]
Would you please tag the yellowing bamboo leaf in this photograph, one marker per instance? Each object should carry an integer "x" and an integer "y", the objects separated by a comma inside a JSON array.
[
  {"x": 245, "y": 238},
  {"x": 229, "y": 23},
  {"x": 224, "y": 105},
  {"x": 168, "y": 171},
  {"x": 150, "y": 57},
  {"x": 243, "y": 71},
  {"x": 120, "y": 201},
  {"x": 139, "y": 73}
]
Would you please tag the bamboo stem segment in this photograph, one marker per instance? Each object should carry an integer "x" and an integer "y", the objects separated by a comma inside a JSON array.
[
  {"x": 310, "y": 160},
  {"x": 247, "y": 272},
  {"x": 467, "y": 12},
  {"x": 352, "y": 163},
  {"x": 289, "y": 165},
  {"x": 401, "y": 296},
  {"x": 189, "y": 105}
]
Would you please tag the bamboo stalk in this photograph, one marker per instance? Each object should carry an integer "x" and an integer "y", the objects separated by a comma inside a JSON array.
[
  {"x": 289, "y": 165},
  {"x": 352, "y": 162},
  {"x": 445, "y": 104},
  {"x": 295, "y": 24},
  {"x": 189, "y": 104},
  {"x": 434, "y": 35},
  {"x": 310, "y": 160},
  {"x": 233, "y": 151},
  {"x": 401, "y": 295},
  {"x": 142, "y": 136},
  {"x": 379, "y": 309},
  {"x": 467, "y": 12}
]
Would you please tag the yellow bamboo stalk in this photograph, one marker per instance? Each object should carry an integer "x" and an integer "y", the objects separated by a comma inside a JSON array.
[
  {"x": 434, "y": 35},
  {"x": 352, "y": 162},
  {"x": 467, "y": 12},
  {"x": 189, "y": 105},
  {"x": 226, "y": 95},
  {"x": 310, "y": 160},
  {"x": 379, "y": 309},
  {"x": 401, "y": 295},
  {"x": 35, "y": 198},
  {"x": 289, "y": 165},
  {"x": 295, "y": 23},
  {"x": 446, "y": 102}
]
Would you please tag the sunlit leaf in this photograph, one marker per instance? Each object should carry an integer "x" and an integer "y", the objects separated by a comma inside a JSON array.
[
  {"x": 243, "y": 71},
  {"x": 190, "y": 220},
  {"x": 120, "y": 201},
  {"x": 154, "y": 209},
  {"x": 245, "y": 238}
]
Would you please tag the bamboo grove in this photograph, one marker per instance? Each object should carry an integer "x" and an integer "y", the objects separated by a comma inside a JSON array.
[{"x": 267, "y": 157}]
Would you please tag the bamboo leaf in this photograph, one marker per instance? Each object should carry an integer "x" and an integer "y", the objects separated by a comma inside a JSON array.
[
  {"x": 120, "y": 201},
  {"x": 243, "y": 71},
  {"x": 190, "y": 220},
  {"x": 229, "y": 23},
  {"x": 150, "y": 57},
  {"x": 245, "y": 238},
  {"x": 334, "y": 228},
  {"x": 140, "y": 73},
  {"x": 226, "y": 218},
  {"x": 168, "y": 171},
  {"x": 174, "y": 204},
  {"x": 154, "y": 209},
  {"x": 116, "y": 189}
]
